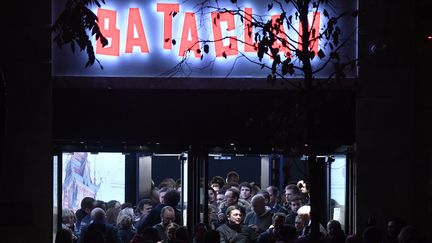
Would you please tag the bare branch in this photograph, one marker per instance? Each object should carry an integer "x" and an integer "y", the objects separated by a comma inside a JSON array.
[
  {"x": 329, "y": 79},
  {"x": 329, "y": 59}
]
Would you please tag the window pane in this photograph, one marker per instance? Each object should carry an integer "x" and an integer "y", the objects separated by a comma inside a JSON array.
[{"x": 100, "y": 176}]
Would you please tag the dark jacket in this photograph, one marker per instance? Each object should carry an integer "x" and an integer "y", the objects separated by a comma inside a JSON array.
[
  {"x": 236, "y": 233},
  {"x": 83, "y": 223},
  {"x": 267, "y": 237},
  {"x": 263, "y": 221},
  {"x": 99, "y": 233},
  {"x": 126, "y": 235},
  {"x": 290, "y": 218},
  {"x": 154, "y": 218}
]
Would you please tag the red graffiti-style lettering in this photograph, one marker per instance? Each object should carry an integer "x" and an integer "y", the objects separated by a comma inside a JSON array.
[
  {"x": 313, "y": 39},
  {"x": 111, "y": 33},
  {"x": 189, "y": 26},
  {"x": 249, "y": 45},
  {"x": 168, "y": 10},
  {"x": 220, "y": 48},
  {"x": 135, "y": 23}
]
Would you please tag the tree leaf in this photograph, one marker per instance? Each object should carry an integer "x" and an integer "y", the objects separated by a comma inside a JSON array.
[
  {"x": 224, "y": 55},
  {"x": 285, "y": 66},
  {"x": 174, "y": 42},
  {"x": 311, "y": 55},
  {"x": 326, "y": 14},
  {"x": 206, "y": 48},
  {"x": 282, "y": 16},
  {"x": 270, "y": 6},
  {"x": 291, "y": 69},
  {"x": 321, "y": 54},
  {"x": 274, "y": 66},
  {"x": 269, "y": 78},
  {"x": 261, "y": 50}
]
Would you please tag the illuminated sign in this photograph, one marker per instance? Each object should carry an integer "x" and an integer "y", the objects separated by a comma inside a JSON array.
[{"x": 192, "y": 38}]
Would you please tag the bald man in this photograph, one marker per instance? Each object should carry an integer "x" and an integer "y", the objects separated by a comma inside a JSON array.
[
  {"x": 260, "y": 218},
  {"x": 98, "y": 230}
]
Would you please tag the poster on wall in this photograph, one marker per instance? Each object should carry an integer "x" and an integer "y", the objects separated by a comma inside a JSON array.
[
  {"x": 206, "y": 39},
  {"x": 100, "y": 176}
]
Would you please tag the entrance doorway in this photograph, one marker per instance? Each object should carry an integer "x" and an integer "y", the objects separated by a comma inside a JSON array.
[{"x": 129, "y": 176}]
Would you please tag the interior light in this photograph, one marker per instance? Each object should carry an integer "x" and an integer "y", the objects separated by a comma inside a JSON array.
[{"x": 215, "y": 155}]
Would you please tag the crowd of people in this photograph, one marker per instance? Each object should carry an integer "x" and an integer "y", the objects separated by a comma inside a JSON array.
[{"x": 237, "y": 213}]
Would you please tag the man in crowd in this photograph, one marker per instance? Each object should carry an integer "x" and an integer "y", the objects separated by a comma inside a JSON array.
[
  {"x": 245, "y": 191},
  {"x": 99, "y": 231},
  {"x": 274, "y": 201},
  {"x": 220, "y": 198},
  {"x": 291, "y": 190},
  {"x": 167, "y": 216},
  {"x": 233, "y": 231},
  {"x": 144, "y": 207},
  {"x": 83, "y": 214},
  {"x": 295, "y": 204},
  {"x": 172, "y": 198},
  {"x": 259, "y": 219},
  {"x": 232, "y": 176},
  {"x": 231, "y": 198},
  {"x": 272, "y": 234}
]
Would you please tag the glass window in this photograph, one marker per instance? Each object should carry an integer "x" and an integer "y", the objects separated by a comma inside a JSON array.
[
  {"x": 338, "y": 189},
  {"x": 100, "y": 176}
]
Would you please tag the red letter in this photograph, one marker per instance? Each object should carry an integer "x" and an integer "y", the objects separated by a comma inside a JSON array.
[
  {"x": 185, "y": 43},
  {"x": 249, "y": 45},
  {"x": 141, "y": 41},
  {"x": 231, "y": 49},
  {"x": 111, "y": 32},
  {"x": 313, "y": 39},
  {"x": 283, "y": 36},
  {"x": 168, "y": 10}
]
